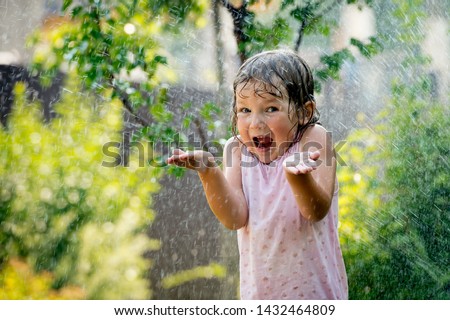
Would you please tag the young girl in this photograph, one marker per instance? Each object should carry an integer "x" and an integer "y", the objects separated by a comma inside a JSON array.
[{"x": 278, "y": 186}]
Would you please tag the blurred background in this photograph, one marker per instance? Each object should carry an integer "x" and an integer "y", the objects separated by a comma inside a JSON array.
[{"x": 95, "y": 93}]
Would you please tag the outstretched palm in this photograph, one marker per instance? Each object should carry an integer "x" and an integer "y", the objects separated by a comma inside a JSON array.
[
  {"x": 301, "y": 162},
  {"x": 197, "y": 160}
]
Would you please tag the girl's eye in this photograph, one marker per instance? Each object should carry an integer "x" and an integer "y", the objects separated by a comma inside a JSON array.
[
  {"x": 272, "y": 109},
  {"x": 244, "y": 110}
]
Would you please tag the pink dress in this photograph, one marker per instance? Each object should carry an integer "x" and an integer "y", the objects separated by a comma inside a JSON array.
[{"x": 283, "y": 255}]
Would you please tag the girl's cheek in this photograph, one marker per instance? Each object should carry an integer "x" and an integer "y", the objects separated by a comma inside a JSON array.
[{"x": 240, "y": 127}]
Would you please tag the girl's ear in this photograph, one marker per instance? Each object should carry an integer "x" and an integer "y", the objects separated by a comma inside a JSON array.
[{"x": 309, "y": 108}]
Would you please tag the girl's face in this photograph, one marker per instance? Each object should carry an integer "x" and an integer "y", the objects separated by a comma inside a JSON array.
[{"x": 263, "y": 120}]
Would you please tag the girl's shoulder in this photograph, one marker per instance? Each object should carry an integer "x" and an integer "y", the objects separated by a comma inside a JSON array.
[
  {"x": 315, "y": 128},
  {"x": 314, "y": 131},
  {"x": 233, "y": 140},
  {"x": 233, "y": 144},
  {"x": 315, "y": 136}
]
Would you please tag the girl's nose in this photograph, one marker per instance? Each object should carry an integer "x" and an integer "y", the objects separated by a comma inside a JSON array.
[{"x": 257, "y": 121}]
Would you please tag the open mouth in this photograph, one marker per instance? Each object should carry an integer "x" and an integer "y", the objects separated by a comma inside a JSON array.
[{"x": 262, "y": 142}]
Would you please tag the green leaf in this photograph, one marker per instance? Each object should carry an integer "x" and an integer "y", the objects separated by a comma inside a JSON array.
[
  {"x": 187, "y": 121},
  {"x": 66, "y": 4},
  {"x": 308, "y": 12},
  {"x": 286, "y": 3},
  {"x": 367, "y": 50},
  {"x": 208, "y": 110},
  {"x": 76, "y": 11},
  {"x": 160, "y": 59},
  {"x": 178, "y": 172},
  {"x": 186, "y": 105}
]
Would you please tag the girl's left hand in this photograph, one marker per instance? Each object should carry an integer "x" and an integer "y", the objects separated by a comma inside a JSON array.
[{"x": 301, "y": 162}]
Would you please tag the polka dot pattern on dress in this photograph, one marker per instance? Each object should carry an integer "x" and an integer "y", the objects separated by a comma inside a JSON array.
[{"x": 282, "y": 255}]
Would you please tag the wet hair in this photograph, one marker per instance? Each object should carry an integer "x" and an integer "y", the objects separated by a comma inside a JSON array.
[{"x": 279, "y": 72}]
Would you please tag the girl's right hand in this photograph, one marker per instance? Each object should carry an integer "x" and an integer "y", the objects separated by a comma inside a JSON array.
[
  {"x": 301, "y": 162},
  {"x": 197, "y": 160}
]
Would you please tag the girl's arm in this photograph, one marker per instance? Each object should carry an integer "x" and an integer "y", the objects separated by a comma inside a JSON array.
[
  {"x": 223, "y": 190},
  {"x": 312, "y": 173}
]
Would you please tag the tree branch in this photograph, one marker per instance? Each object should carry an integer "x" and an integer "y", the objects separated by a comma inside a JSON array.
[
  {"x": 219, "y": 52},
  {"x": 301, "y": 30},
  {"x": 238, "y": 15},
  {"x": 127, "y": 105},
  {"x": 122, "y": 95},
  {"x": 305, "y": 22}
]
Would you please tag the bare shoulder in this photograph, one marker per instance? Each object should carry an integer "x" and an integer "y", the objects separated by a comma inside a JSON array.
[
  {"x": 316, "y": 137},
  {"x": 232, "y": 142},
  {"x": 315, "y": 131},
  {"x": 232, "y": 148}
]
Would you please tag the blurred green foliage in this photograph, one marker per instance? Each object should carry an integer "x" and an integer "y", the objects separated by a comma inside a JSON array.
[
  {"x": 395, "y": 226},
  {"x": 114, "y": 48},
  {"x": 61, "y": 211},
  {"x": 415, "y": 222},
  {"x": 395, "y": 213},
  {"x": 19, "y": 282},
  {"x": 104, "y": 42}
]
